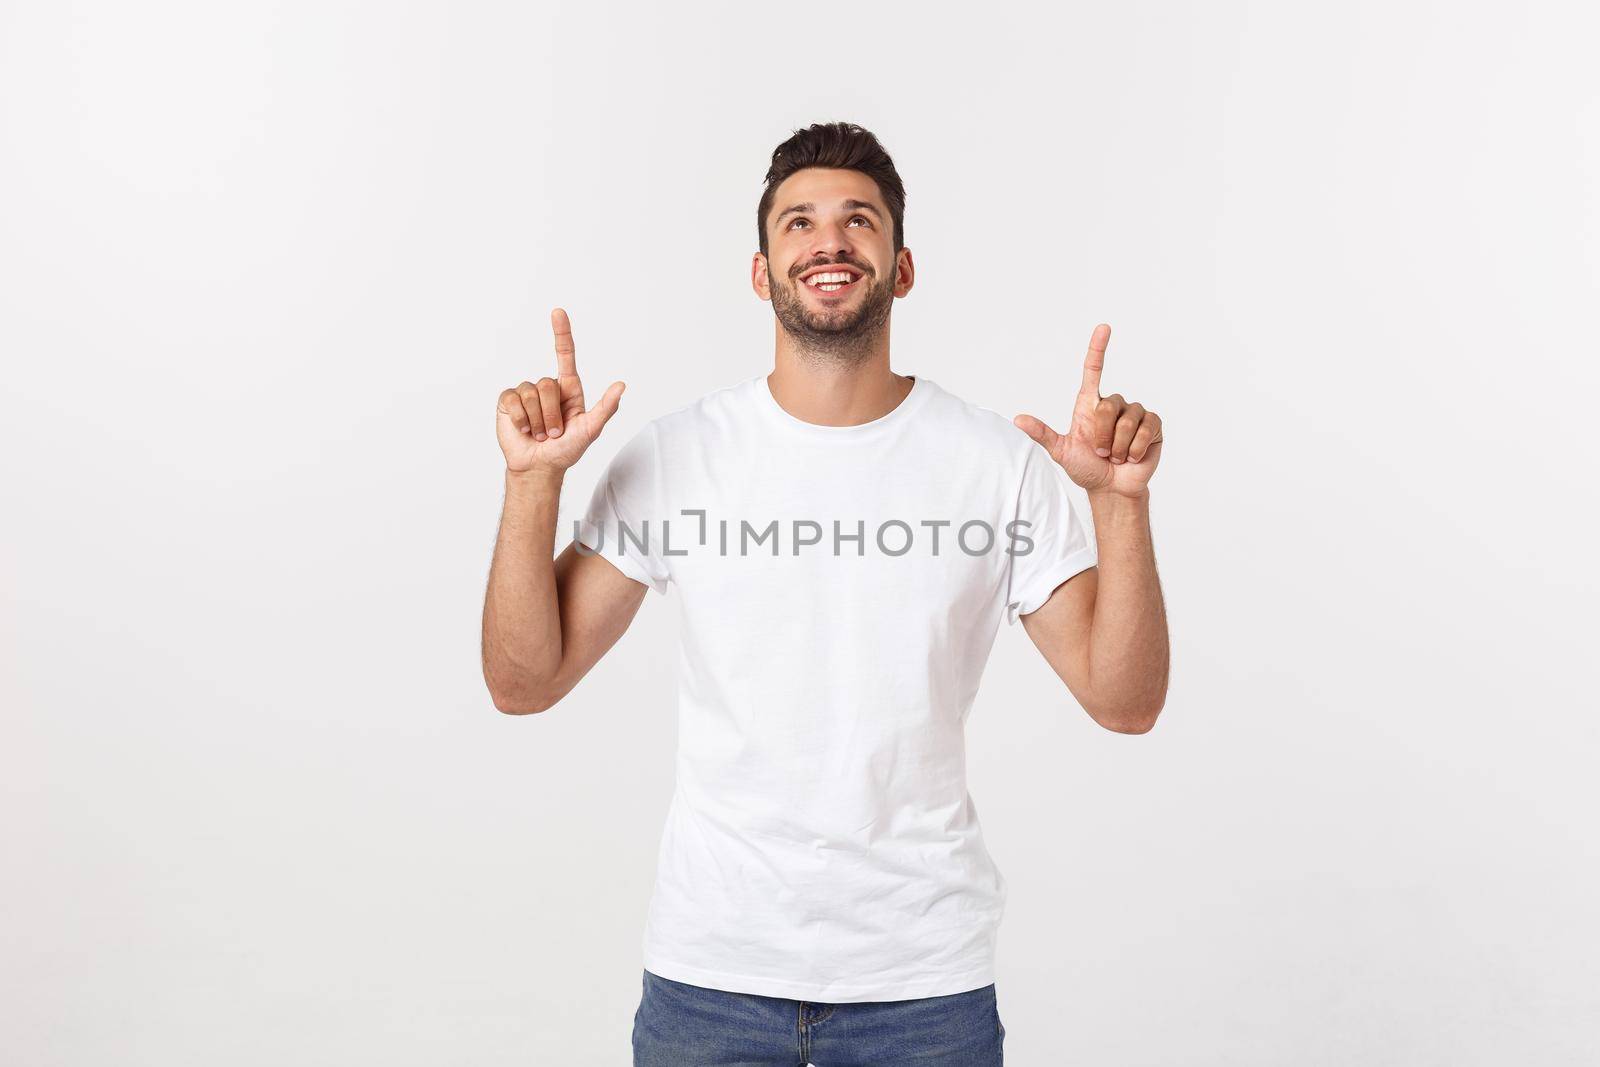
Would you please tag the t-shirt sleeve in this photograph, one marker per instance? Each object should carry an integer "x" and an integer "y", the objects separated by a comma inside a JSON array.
[
  {"x": 1051, "y": 539},
  {"x": 624, "y": 520}
]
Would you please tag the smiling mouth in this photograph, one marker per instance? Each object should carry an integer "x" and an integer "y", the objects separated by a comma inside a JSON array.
[{"x": 831, "y": 282}]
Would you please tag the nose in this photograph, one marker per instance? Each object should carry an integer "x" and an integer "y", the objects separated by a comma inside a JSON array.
[{"x": 831, "y": 240}]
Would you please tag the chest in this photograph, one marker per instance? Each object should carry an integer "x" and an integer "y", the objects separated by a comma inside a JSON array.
[{"x": 884, "y": 540}]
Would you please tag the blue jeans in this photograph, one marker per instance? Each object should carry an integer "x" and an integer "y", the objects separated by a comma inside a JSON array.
[{"x": 680, "y": 1025}]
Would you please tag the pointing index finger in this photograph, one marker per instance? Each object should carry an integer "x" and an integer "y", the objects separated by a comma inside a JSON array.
[
  {"x": 1095, "y": 361},
  {"x": 566, "y": 352}
]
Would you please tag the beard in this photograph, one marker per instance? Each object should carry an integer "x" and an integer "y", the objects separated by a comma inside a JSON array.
[{"x": 844, "y": 334}]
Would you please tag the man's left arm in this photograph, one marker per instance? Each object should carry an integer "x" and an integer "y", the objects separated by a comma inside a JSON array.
[{"x": 1104, "y": 631}]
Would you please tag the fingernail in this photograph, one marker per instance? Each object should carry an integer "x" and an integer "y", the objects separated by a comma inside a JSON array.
[
  {"x": 539, "y": 437},
  {"x": 1102, "y": 452},
  {"x": 556, "y": 432},
  {"x": 1115, "y": 460}
]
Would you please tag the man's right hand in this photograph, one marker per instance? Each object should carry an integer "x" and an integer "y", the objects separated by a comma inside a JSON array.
[{"x": 544, "y": 425}]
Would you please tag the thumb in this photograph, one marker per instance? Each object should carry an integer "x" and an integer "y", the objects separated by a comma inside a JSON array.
[
  {"x": 1038, "y": 430},
  {"x": 601, "y": 413}
]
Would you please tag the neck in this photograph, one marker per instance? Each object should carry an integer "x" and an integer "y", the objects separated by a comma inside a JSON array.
[{"x": 836, "y": 389}]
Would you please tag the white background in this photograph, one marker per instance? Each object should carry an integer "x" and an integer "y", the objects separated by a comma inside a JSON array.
[{"x": 265, "y": 267}]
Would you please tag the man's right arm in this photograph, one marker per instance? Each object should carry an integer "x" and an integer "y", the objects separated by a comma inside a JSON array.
[{"x": 546, "y": 620}]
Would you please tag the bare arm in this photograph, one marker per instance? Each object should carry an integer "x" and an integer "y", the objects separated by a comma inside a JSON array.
[
  {"x": 1104, "y": 632},
  {"x": 547, "y": 621}
]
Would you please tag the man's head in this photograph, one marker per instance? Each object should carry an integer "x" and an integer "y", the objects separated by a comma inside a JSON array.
[{"x": 833, "y": 205}]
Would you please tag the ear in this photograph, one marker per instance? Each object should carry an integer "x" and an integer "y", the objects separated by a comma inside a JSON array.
[
  {"x": 758, "y": 277},
  {"x": 905, "y": 272}
]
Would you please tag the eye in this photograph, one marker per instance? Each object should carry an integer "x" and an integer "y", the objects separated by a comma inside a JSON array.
[{"x": 854, "y": 218}]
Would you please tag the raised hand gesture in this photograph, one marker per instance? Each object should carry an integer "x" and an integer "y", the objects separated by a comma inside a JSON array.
[
  {"x": 1112, "y": 445},
  {"x": 545, "y": 425}
]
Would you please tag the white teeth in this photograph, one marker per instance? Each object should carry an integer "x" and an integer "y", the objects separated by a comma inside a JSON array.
[{"x": 830, "y": 281}]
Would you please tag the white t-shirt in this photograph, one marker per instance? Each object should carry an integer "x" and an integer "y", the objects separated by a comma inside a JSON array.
[{"x": 840, "y": 588}]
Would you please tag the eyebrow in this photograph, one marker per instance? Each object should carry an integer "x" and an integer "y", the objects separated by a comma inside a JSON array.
[{"x": 849, "y": 205}]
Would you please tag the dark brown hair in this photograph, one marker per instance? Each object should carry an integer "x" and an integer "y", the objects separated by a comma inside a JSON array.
[{"x": 843, "y": 145}]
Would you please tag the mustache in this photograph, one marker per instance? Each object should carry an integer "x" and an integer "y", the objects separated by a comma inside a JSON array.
[{"x": 866, "y": 272}]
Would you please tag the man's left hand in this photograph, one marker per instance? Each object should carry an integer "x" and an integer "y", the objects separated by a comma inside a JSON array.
[{"x": 1112, "y": 445}]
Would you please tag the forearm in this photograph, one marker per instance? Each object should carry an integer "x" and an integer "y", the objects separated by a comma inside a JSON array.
[
  {"x": 1127, "y": 651},
  {"x": 522, "y": 644}
]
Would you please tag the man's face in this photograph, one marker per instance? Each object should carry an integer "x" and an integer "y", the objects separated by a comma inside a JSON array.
[{"x": 825, "y": 223}]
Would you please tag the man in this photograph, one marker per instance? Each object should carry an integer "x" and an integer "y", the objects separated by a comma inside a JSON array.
[{"x": 844, "y": 540}]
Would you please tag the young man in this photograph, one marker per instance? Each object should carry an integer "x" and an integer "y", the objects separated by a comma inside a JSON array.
[{"x": 844, "y": 540}]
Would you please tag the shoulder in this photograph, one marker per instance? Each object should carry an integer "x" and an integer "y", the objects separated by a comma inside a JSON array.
[
  {"x": 712, "y": 408},
  {"x": 707, "y": 417},
  {"x": 977, "y": 426}
]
